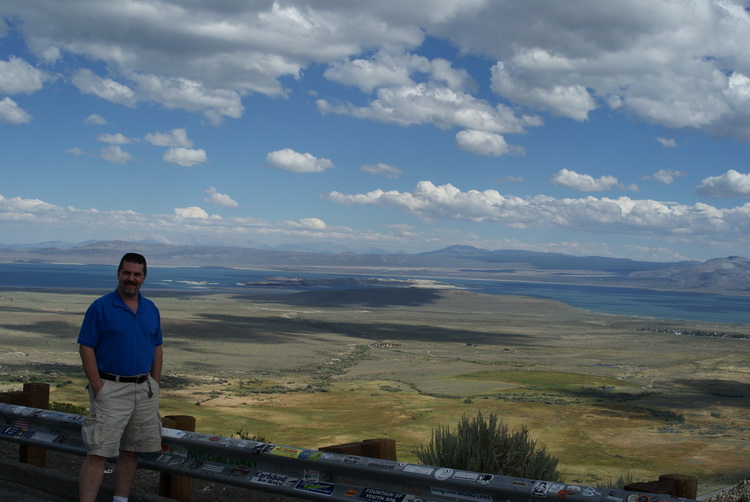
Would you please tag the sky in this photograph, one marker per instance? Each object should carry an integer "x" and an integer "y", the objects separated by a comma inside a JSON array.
[{"x": 581, "y": 127}]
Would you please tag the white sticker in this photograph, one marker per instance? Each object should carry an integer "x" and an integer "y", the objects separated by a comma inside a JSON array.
[
  {"x": 443, "y": 474},
  {"x": 418, "y": 469}
]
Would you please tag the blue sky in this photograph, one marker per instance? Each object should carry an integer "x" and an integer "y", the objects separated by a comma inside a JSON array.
[{"x": 581, "y": 127}]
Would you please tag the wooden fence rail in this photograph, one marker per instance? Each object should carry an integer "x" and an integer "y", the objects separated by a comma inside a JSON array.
[{"x": 33, "y": 395}]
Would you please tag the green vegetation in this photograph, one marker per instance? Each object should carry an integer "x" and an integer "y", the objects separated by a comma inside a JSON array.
[
  {"x": 620, "y": 482},
  {"x": 488, "y": 445},
  {"x": 243, "y": 434},
  {"x": 68, "y": 408},
  {"x": 311, "y": 370}
]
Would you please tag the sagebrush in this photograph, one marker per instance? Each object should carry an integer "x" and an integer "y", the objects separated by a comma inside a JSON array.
[{"x": 487, "y": 445}]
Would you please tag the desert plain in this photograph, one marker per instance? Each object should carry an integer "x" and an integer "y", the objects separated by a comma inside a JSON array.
[{"x": 610, "y": 396}]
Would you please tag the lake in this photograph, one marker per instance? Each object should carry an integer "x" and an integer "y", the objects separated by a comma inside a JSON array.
[{"x": 607, "y": 300}]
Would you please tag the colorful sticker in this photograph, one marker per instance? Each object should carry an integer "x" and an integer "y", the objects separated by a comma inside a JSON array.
[
  {"x": 315, "y": 487},
  {"x": 13, "y": 431},
  {"x": 287, "y": 451},
  {"x": 374, "y": 495}
]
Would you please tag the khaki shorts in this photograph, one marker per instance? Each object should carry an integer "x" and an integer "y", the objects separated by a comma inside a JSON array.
[{"x": 123, "y": 417}]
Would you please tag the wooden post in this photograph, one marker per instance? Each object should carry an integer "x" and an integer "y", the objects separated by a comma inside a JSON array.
[
  {"x": 381, "y": 448},
  {"x": 684, "y": 486},
  {"x": 650, "y": 487},
  {"x": 33, "y": 395},
  {"x": 676, "y": 485},
  {"x": 38, "y": 394},
  {"x": 175, "y": 486},
  {"x": 39, "y": 398}
]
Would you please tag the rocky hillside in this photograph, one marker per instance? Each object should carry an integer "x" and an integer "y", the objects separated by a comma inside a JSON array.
[{"x": 719, "y": 274}]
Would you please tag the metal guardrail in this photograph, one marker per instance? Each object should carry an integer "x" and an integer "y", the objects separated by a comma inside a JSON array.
[{"x": 306, "y": 473}]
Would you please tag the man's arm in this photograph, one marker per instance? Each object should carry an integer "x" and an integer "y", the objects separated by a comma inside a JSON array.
[
  {"x": 156, "y": 366},
  {"x": 88, "y": 359}
]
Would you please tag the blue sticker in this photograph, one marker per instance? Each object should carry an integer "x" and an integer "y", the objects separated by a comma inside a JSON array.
[
  {"x": 315, "y": 487},
  {"x": 373, "y": 495}
]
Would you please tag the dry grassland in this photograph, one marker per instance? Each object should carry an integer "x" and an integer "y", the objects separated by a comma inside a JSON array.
[{"x": 317, "y": 369}]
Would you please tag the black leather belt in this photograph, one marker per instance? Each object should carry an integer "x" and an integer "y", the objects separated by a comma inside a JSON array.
[{"x": 124, "y": 379}]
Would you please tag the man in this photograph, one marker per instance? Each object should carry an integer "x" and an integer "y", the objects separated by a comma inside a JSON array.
[{"x": 120, "y": 343}]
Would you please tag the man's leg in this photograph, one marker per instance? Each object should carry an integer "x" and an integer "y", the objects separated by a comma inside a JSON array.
[
  {"x": 127, "y": 464},
  {"x": 90, "y": 477}
]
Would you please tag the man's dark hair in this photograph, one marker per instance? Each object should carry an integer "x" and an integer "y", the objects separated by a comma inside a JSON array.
[{"x": 133, "y": 258}]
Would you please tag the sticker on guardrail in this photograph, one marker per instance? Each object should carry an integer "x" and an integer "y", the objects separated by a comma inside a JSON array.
[
  {"x": 444, "y": 492},
  {"x": 315, "y": 487},
  {"x": 373, "y": 495}
]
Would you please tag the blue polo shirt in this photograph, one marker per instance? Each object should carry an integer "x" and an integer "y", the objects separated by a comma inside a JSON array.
[{"x": 123, "y": 341}]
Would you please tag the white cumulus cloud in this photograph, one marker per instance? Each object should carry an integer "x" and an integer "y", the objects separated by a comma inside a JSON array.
[
  {"x": 308, "y": 223},
  {"x": 18, "y": 76},
  {"x": 114, "y": 153},
  {"x": 667, "y": 142},
  {"x": 187, "y": 157},
  {"x": 192, "y": 212},
  {"x": 384, "y": 69},
  {"x": 219, "y": 199},
  {"x": 192, "y": 95},
  {"x": 571, "y": 100},
  {"x": 589, "y": 214},
  {"x": 728, "y": 185},
  {"x": 484, "y": 143},
  {"x": 296, "y": 162},
  {"x": 11, "y": 113},
  {"x": 175, "y": 137},
  {"x": 89, "y": 83},
  {"x": 95, "y": 119},
  {"x": 424, "y": 103},
  {"x": 584, "y": 182},
  {"x": 661, "y": 61}
]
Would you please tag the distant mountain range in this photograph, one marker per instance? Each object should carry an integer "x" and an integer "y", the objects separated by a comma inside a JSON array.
[{"x": 720, "y": 275}]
